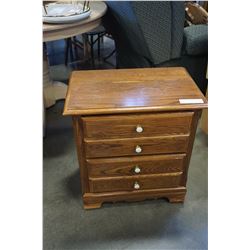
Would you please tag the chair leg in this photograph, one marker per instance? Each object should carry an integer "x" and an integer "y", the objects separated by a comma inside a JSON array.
[
  {"x": 86, "y": 46},
  {"x": 45, "y": 47},
  {"x": 66, "y": 51},
  {"x": 75, "y": 47},
  {"x": 99, "y": 46},
  {"x": 92, "y": 50},
  {"x": 102, "y": 37},
  {"x": 71, "y": 50}
]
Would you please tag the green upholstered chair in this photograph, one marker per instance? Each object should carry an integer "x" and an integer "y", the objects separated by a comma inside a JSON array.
[{"x": 152, "y": 34}]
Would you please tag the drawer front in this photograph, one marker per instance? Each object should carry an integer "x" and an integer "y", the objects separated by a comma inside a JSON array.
[
  {"x": 135, "y": 165},
  {"x": 126, "y": 126},
  {"x": 134, "y": 183},
  {"x": 136, "y": 146}
]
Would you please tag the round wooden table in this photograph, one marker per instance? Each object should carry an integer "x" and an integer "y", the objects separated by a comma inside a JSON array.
[{"x": 53, "y": 91}]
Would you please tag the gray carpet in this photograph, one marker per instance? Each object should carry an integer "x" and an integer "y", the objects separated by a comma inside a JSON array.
[{"x": 154, "y": 224}]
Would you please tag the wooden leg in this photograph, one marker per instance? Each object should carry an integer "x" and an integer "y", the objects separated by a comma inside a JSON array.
[
  {"x": 52, "y": 91},
  {"x": 176, "y": 199},
  {"x": 86, "y": 46},
  {"x": 92, "y": 205}
]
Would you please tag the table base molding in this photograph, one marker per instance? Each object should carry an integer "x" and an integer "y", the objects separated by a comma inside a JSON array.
[{"x": 52, "y": 90}]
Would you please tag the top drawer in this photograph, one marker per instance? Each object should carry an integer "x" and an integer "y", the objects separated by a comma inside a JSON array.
[{"x": 127, "y": 126}]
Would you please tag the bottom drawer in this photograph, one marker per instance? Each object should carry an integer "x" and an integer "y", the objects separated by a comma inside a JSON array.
[{"x": 132, "y": 183}]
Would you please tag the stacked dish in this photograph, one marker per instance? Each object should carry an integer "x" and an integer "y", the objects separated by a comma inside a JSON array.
[{"x": 65, "y": 12}]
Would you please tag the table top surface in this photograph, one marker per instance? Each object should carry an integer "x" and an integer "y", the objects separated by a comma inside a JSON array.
[
  {"x": 96, "y": 92},
  {"x": 98, "y": 9}
]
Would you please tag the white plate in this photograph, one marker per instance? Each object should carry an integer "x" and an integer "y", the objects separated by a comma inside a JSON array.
[{"x": 64, "y": 13}]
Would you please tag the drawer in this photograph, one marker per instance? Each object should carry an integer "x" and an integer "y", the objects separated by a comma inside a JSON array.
[
  {"x": 126, "y": 126},
  {"x": 134, "y": 183},
  {"x": 135, "y": 165},
  {"x": 133, "y": 146}
]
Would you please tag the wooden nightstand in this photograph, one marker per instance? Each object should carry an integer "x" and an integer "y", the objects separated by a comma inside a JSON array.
[{"x": 134, "y": 131}]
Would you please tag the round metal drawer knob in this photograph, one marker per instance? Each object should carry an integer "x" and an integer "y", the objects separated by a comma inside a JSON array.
[
  {"x": 138, "y": 149},
  {"x": 136, "y": 185},
  {"x": 137, "y": 170},
  {"x": 139, "y": 129}
]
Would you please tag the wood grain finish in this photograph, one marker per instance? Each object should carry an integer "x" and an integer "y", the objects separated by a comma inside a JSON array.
[
  {"x": 125, "y": 166},
  {"x": 118, "y": 163},
  {"x": 124, "y": 126},
  {"x": 148, "y": 145},
  {"x": 190, "y": 146},
  {"x": 204, "y": 118},
  {"x": 78, "y": 133},
  {"x": 126, "y": 183},
  {"x": 130, "y": 91}
]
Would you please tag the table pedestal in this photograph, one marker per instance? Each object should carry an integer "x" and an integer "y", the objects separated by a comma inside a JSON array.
[{"x": 52, "y": 90}]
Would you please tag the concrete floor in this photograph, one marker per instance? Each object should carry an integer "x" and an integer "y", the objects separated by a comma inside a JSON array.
[{"x": 153, "y": 224}]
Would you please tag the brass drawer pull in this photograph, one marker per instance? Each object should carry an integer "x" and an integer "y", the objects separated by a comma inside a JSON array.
[
  {"x": 138, "y": 149},
  {"x": 139, "y": 129},
  {"x": 136, "y": 185}
]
